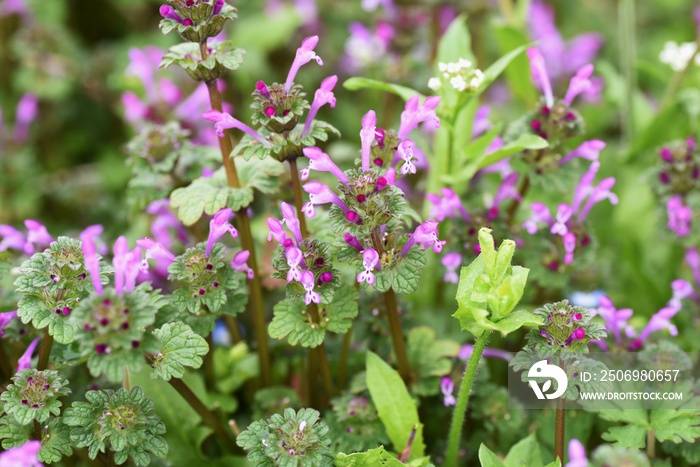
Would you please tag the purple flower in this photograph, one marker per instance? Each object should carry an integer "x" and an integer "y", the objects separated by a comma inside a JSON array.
[
  {"x": 447, "y": 206},
  {"x": 308, "y": 281},
  {"x": 25, "y": 361},
  {"x": 353, "y": 241},
  {"x": 564, "y": 213},
  {"x": 92, "y": 260},
  {"x": 289, "y": 216},
  {"x": 577, "y": 454},
  {"x": 304, "y": 55},
  {"x": 240, "y": 263},
  {"x": 540, "y": 214},
  {"x": 224, "y": 121},
  {"x": 321, "y": 162},
  {"x": 22, "y": 456},
  {"x": 37, "y": 235},
  {"x": 615, "y": 320},
  {"x": 370, "y": 259},
  {"x": 452, "y": 262},
  {"x": 276, "y": 231},
  {"x": 294, "y": 259},
  {"x": 367, "y": 136},
  {"x": 167, "y": 12},
  {"x": 405, "y": 152},
  {"x": 447, "y": 387},
  {"x": 507, "y": 190},
  {"x": 5, "y": 320},
  {"x": 218, "y": 226},
  {"x": 681, "y": 290},
  {"x": 661, "y": 320},
  {"x": 365, "y": 48},
  {"x": 324, "y": 95},
  {"x": 679, "y": 216},
  {"x": 692, "y": 257},
  {"x": 389, "y": 6},
  {"x": 127, "y": 264},
  {"x": 466, "y": 352},
  {"x": 539, "y": 75},
  {"x": 562, "y": 59},
  {"x": 415, "y": 114},
  {"x": 587, "y": 150},
  {"x": 27, "y": 110},
  {"x": 164, "y": 222},
  {"x": 426, "y": 235},
  {"x": 11, "y": 238},
  {"x": 320, "y": 193},
  {"x": 569, "y": 241},
  {"x": 581, "y": 82},
  {"x": 154, "y": 250}
]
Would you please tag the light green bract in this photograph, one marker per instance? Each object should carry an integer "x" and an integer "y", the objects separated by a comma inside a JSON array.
[
  {"x": 181, "y": 347},
  {"x": 490, "y": 288}
]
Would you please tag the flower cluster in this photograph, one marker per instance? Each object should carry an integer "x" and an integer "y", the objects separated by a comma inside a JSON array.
[
  {"x": 566, "y": 327},
  {"x": 277, "y": 109},
  {"x": 37, "y": 237},
  {"x": 461, "y": 75},
  {"x": 305, "y": 264},
  {"x": 34, "y": 395},
  {"x": 678, "y": 56},
  {"x": 626, "y": 336},
  {"x": 567, "y": 223}
]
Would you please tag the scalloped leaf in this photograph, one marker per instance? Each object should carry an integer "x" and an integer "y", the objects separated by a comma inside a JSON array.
[
  {"x": 291, "y": 322},
  {"x": 181, "y": 347},
  {"x": 343, "y": 310},
  {"x": 208, "y": 196}
]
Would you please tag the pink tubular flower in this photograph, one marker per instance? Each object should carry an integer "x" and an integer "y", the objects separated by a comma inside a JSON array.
[
  {"x": 127, "y": 264},
  {"x": 289, "y": 216},
  {"x": 507, "y": 190},
  {"x": 426, "y": 235},
  {"x": 581, "y": 82},
  {"x": 324, "y": 95},
  {"x": 661, "y": 320},
  {"x": 466, "y": 352},
  {"x": 615, "y": 320},
  {"x": 37, "y": 236},
  {"x": 240, "y": 263},
  {"x": 564, "y": 213},
  {"x": 577, "y": 454},
  {"x": 405, "y": 152},
  {"x": 167, "y": 12},
  {"x": 154, "y": 250},
  {"x": 276, "y": 231},
  {"x": 320, "y": 193},
  {"x": 308, "y": 281},
  {"x": 223, "y": 121},
  {"x": 92, "y": 261},
  {"x": 540, "y": 214},
  {"x": 452, "y": 262},
  {"x": 25, "y": 455},
  {"x": 681, "y": 290},
  {"x": 680, "y": 216},
  {"x": 304, "y": 55},
  {"x": 370, "y": 259},
  {"x": 447, "y": 387},
  {"x": 539, "y": 74},
  {"x": 367, "y": 136},
  {"x": 353, "y": 241},
  {"x": 11, "y": 238},
  {"x": 218, "y": 226},
  {"x": 27, "y": 110},
  {"x": 447, "y": 206},
  {"x": 5, "y": 320},
  {"x": 25, "y": 361},
  {"x": 415, "y": 114},
  {"x": 164, "y": 223},
  {"x": 587, "y": 150},
  {"x": 321, "y": 162},
  {"x": 692, "y": 258},
  {"x": 294, "y": 259}
]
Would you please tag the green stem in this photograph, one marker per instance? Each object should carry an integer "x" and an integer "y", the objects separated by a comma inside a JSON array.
[
  {"x": 627, "y": 58},
  {"x": 344, "y": 354},
  {"x": 45, "y": 351},
  {"x": 507, "y": 11},
  {"x": 651, "y": 444},
  {"x": 244, "y": 228},
  {"x": 224, "y": 434},
  {"x": 209, "y": 377},
  {"x": 462, "y": 400},
  {"x": 559, "y": 431},
  {"x": 678, "y": 79},
  {"x": 513, "y": 209},
  {"x": 325, "y": 370},
  {"x": 5, "y": 364},
  {"x": 298, "y": 196},
  {"x": 397, "y": 339},
  {"x": 233, "y": 329}
]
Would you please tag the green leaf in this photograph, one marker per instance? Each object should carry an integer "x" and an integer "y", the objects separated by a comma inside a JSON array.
[
  {"x": 510, "y": 38},
  {"x": 357, "y": 83},
  {"x": 208, "y": 196},
  {"x": 396, "y": 409},
  {"x": 372, "y": 458},
  {"x": 262, "y": 175},
  {"x": 429, "y": 358},
  {"x": 487, "y": 458},
  {"x": 33, "y": 395},
  {"x": 455, "y": 43},
  {"x": 13, "y": 433},
  {"x": 55, "y": 443},
  {"x": 181, "y": 347},
  {"x": 343, "y": 309},
  {"x": 525, "y": 452},
  {"x": 291, "y": 321}
]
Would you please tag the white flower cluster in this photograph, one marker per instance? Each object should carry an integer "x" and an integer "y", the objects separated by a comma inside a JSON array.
[
  {"x": 459, "y": 74},
  {"x": 677, "y": 56}
]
